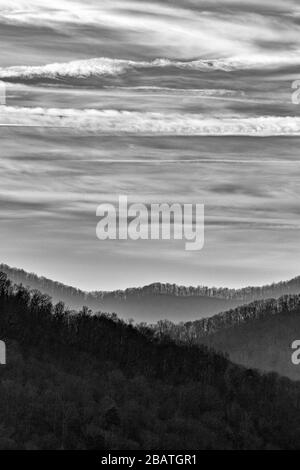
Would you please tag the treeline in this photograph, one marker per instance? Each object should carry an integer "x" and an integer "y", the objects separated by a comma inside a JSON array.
[
  {"x": 192, "y": 332},
  {"x": 59, "y": 290},
  {"x": 257, "y": 335},
  {"x": 84, "y": 381},
  {"x": 246, "y": 294}
]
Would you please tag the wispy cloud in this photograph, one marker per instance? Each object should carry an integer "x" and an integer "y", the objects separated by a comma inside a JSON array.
[
  {"x": 163, "y": 101},
  {"x": 204, "y": 29},
  {"x": 115, "y": 122}
]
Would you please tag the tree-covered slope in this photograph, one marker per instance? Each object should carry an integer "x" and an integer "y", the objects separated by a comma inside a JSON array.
[
  {"x": 259, "y": 334},
  {"x": 93, "y": 382},
  {"x": 156, "y": 301}
]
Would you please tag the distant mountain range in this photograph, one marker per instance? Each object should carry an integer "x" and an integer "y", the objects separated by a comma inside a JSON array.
[
  {"x": 157, "y": 301},
  {"x": 92, "y": 382},
  {"x": 256, "y": 329},
  {"x": 257, "y": 335}
]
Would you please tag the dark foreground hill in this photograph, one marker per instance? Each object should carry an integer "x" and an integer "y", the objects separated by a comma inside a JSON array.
[
  {"x": 259, "y": 334},
  {"x": 93, "y": 382},
  {"x": 156, "y": 301}
]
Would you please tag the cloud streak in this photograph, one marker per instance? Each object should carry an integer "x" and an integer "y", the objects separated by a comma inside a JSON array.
[
  {"x": 97, "y": 67},
  {"x": 137, "y": 123},
  {"x": 207, "y": 30},
  {"x": 163, "y": 101}
]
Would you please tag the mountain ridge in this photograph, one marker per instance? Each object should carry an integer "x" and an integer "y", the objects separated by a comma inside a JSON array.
[
  {"x": 83, "y": 381},
  {"x": 244, "y": 293},
  {"x": 257, "y": 335},
  {"x": 156, "y": 301}
]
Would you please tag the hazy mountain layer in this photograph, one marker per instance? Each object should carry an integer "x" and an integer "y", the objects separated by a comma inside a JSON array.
[
  {"x": 256, "y": 335},
  {"x": 93, "y": 382},
  {"x": 157, "y": 301}
]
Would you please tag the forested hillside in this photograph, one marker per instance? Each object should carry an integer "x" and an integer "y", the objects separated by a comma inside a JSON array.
[
  {"x": 149, "y": 303},
  {"x": 156, "y": 301},
  {"x": 73, "y": 380},
  {"x": 259, "y": 334}
]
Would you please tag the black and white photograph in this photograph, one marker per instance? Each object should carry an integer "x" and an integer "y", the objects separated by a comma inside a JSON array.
[{"x": 149, "y": 228}]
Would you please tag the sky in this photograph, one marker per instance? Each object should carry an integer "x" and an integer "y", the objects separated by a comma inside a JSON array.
[{"x": 184, "y": 101}]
